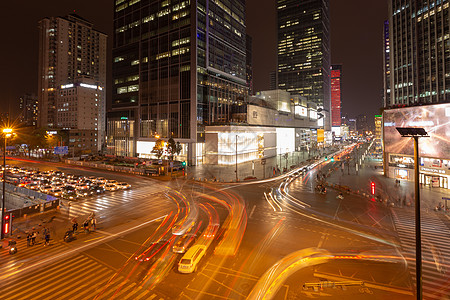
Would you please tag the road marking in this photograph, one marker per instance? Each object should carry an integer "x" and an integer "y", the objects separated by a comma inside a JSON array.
[
  {"x": 366, "y": 284},
  {"x": 251, "y": 213}
]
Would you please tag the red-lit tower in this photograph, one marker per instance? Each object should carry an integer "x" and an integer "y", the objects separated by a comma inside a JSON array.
[{"x": 336, "y": 95}]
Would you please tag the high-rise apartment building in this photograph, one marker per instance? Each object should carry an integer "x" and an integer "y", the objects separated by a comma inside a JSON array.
[
  {"x": 72, "y": 80},
  {"x": 336, "y": 95},
  {"x": 304, "y": 51},
  {"x": 178, "y": 66},
  {"x": 386, "y": 66},
  {"x": 419, "y": 51},
  {"x": 28, "y": 105}
]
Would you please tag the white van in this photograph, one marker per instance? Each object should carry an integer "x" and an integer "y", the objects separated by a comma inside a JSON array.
[{"x": 188, "y": 263}]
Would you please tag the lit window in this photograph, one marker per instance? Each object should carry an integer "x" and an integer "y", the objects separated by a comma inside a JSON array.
[{"x": 122, "y": 90}]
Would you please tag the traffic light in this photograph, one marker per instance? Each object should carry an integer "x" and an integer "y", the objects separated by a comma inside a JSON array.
[
  {"x": 326, "y": 157},
  {"x": 372, "y": 187},
  {"x": 183, "y": 164},
  {"x": 332, "y": 159},
  {"x": 6, "y": 225}
]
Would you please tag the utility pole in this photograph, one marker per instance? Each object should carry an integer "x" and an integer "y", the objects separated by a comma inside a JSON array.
[
  {"x": 236, "y": 158},
  {"x": 415, "y": 133}
]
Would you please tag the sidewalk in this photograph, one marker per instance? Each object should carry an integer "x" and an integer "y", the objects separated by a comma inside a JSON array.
[
  {"x": 385, "y": 188},
  {"x": 56, "y": 220}
]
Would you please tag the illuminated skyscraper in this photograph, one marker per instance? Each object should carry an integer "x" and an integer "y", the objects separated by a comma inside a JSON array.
[
  {"x": 178, "y": 66},
  {"x": 304, "y": 51},
  {"x": 419, "y": 51},
  {"x": 336, "y": 95},
  {"x": 72, "y": 78},
  {"x": 28, "y": 105},
  {"x": 386, "y": 66}
]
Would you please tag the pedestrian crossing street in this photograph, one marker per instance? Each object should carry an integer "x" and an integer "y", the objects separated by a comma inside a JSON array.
[
  {"x": 78, "y": 277},
  {"x": 435, "y": 250}
]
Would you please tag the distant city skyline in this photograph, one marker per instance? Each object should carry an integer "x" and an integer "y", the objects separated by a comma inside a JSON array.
[{"x": 358, "y": 48}]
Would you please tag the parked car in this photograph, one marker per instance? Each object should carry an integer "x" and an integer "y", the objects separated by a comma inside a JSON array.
[
  {"x": 100, "y": 180},
  {"x": 110, "y": 187},
  {"x": 82, "y": 186},
  {"x": 57, "y": 192},
  {"x": 69, "y": 192},
  {"x": 45, "y": 189},
  {"x": 123, "y": 185},
  {"x": 96, "y": 189}
]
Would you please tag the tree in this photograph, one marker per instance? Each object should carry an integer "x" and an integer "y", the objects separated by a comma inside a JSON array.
[
  {"x": 173, "y": 148},
  {"x": 158, "y": 149}
]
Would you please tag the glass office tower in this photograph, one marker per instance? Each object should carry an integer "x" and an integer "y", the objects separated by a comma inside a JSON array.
[
  {"x": 304, "y": 51},
  {"x": 178, "y": 65},
  {"x": 419, "y": 40}
]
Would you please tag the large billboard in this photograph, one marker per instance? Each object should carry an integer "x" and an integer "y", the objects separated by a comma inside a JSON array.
[{"x": 435, "y": 119}]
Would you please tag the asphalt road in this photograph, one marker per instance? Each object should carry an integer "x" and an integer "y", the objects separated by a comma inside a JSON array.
[{"x": 310, "y": 236}]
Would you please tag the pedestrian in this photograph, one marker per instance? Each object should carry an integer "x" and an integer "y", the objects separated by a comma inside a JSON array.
[
  {"x": 33, "y": 238},
  {"x": 75, "y": 227},
  {"x": 28, "y": 239},
  {"x": 94, "y": 223},
  {"x": 47, "y": 239},
  {"x": 85, "y": 226}
]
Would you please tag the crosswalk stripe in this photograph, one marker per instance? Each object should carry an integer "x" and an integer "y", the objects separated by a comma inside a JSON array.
[
  {"x": 38, "y": 282},
  {"x": 111, "y": 288},
  {"x": 434, "y": 233},
  {"x": 124, "y": 290},
  {"x": 136, "y": 292},
  {"x": 100, "y": 277},
  {"x": 18, "y": 281},
  {"x": 74, "y": 276}
]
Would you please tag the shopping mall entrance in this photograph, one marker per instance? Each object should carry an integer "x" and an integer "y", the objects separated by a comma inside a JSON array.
[{"x": 434, "y": 181}]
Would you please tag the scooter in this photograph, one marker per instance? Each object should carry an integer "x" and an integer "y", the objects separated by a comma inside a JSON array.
[
  {"x": 12, "y": 247},
  {"x": 68, "y": 237}
]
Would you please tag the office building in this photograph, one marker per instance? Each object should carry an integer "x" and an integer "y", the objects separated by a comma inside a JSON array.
[
  {"x": 249, "y": 63},
  {"x": 419, "y": 52},
  {"x": 304, "y": 52},
  {"x": 178, "y": 66},
  {"x": 28, "y": 105},
  {"x": 72, "y": 80},
  {"x": 336, "y": 98},
  {"x": 273, "y": 80},
  {"x": 386, "y": 66}
]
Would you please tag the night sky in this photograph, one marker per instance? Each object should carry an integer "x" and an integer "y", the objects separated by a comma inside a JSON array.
[{"x": 356, "y": 42}]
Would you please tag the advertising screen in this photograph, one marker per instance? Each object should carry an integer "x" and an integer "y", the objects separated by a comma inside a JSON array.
[{"x": 435, "y": 119}]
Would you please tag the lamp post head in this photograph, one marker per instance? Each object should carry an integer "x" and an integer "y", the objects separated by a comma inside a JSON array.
[
  {"x": 7, "y": 130},
  {"x": 412, "y": 132}
]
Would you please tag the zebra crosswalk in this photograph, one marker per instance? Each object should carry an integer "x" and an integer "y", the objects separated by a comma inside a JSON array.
[
  {"x": 435, "y": 250},
  {"x": 77, "y": 277},
  {"x": 81, "y": 207}
]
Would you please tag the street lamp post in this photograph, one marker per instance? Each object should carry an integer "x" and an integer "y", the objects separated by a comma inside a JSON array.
[
  {"x": 236, "y": 158},
  {"x": 6, "y": 133},
  {"x": 416, "y": 133}
]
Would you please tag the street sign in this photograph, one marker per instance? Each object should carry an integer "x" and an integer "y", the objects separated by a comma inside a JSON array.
[
  {"x": 61, "y": 150},
  {"x": 263, "y": 161}
]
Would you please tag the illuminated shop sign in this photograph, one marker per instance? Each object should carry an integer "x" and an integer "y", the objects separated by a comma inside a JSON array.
[
  {"x": 89, "y": 86},
  {"x": 67, "y": 86},
  {"x": 313, "y": 114},
  {"x": 85, "y": 85},
  {"x": 301, "y": 111}
]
